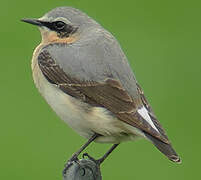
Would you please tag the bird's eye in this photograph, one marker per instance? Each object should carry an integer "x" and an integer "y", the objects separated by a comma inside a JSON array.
[{"x": 59, "y": 25}]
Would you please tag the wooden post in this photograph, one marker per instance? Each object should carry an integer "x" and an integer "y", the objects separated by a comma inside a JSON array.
[{"x": 84, "y": 169}]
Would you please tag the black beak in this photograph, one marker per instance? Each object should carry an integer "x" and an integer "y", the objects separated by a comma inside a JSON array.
[{"x": 32, "y": 21}]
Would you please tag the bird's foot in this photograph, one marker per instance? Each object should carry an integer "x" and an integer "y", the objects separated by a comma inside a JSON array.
[
  {"x": 96, "y": 161},
  {"x": 69, "y": 163}
]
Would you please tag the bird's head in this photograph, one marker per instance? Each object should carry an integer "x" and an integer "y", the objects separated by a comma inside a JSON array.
[{"x": 62, "y": 24}]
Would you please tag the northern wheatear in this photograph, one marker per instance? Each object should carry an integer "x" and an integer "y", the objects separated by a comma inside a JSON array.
[{"x": 83, "y": 74}]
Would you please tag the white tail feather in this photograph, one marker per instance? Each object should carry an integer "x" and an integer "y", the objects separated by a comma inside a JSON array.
[{"x": 144, "y": 113}]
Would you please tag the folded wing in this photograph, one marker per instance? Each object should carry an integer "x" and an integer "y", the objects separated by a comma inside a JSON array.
[{"x": 108, "y": 94}]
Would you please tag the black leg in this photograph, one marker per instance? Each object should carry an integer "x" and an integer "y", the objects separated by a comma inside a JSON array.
[
  {"x": 108, "y": 153},
  {"x": 99, "y": 161},
  {"x": 76, "y": 154}
]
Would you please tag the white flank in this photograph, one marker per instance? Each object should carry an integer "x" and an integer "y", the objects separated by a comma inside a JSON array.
[{"x": 144, "y": 113}]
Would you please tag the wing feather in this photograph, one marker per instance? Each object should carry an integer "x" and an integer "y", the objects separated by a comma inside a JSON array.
[
  {"x": 150, "y": 111},
  {"x": 109, "y": 94}
]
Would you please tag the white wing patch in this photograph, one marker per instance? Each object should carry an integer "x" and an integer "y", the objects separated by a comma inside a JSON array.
[{"x": 144, "y": 113}]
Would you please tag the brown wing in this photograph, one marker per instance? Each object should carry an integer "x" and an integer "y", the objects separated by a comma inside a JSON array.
[
  {"x": 109, "y": 94},
  {"x": 151, "y": 113}
]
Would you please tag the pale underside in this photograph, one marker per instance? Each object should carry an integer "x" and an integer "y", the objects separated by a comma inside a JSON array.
[{"x": 86, "y": 123}]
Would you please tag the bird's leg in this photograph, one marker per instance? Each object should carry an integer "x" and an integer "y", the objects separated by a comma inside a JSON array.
[
  {"x": 76, "y": 154},
  {"x": 107, "y": 153},
  {"x": 99, "y": 161}
]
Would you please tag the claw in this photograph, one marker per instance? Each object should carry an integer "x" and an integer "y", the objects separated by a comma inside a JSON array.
[
  {"x": 67, "y": 166},
  {"x": 69, "y": 163},
  {"x": 98, "y": 161},
  {"x": 86, "y": 155}
]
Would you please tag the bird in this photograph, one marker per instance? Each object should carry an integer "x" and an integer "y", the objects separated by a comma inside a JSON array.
[{"x": 82, "y": 72}]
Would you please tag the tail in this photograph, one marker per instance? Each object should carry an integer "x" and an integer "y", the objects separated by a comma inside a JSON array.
[{"x": 166, "y": 149}]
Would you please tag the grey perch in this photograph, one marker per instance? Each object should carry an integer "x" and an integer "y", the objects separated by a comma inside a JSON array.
[{"x": 84, "y": 169}]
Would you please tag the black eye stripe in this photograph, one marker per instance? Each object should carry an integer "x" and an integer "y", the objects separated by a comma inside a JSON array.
[
  {"x": 63, "y": 29},
  {"x": 59, "y": 25}
]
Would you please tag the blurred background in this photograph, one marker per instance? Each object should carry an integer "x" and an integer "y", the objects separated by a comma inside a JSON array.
[{"x": 162, "y": 41}]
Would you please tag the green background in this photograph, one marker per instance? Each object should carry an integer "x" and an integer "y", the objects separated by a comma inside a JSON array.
[{"x": 162, "y": 41}]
